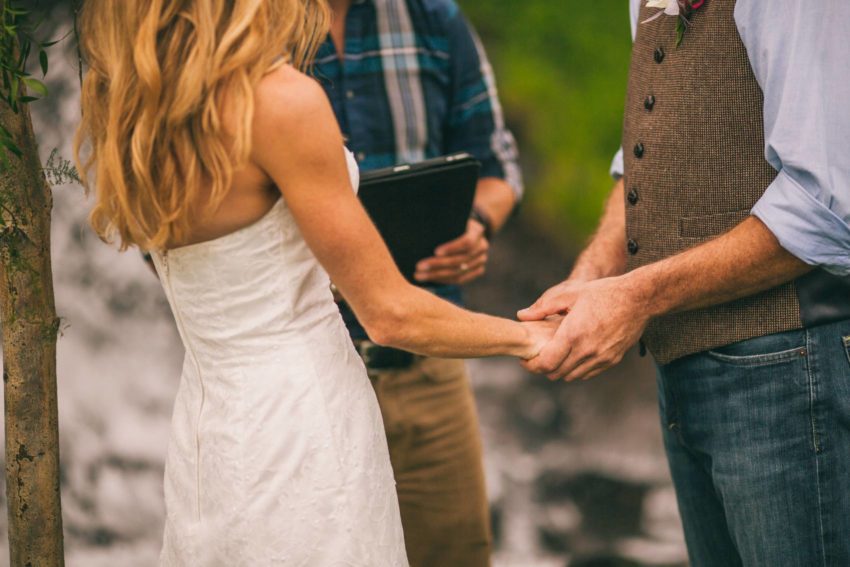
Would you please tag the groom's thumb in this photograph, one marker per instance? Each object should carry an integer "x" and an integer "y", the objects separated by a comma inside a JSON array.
[{"x": 534, "y": 313}]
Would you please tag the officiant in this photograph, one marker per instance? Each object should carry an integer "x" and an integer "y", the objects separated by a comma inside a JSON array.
[{"x": 409, "y": 81}]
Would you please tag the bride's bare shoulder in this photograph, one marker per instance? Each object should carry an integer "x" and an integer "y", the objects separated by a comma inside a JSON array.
[
  {"x": 288, "y": 97},
  {"x": 293, "y": 118}
]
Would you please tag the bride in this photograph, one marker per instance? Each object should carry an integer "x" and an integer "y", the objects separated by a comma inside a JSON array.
[{"x": 225, "y": 162}]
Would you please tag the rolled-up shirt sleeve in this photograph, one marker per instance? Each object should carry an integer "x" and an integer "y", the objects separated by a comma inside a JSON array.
[
  {"x": 797, "y": 53},
  {"x": 476, "y": 121},
  {"x": 804, "y": 226}
]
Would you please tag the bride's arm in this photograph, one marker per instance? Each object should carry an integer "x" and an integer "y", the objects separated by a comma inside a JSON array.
[{"x": 297, "y": 142}]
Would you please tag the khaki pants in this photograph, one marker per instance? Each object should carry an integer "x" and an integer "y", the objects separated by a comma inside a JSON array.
[{"x": 435, "y": 448}]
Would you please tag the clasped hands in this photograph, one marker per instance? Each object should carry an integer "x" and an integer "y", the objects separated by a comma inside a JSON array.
[
  {"x": 581, "y": 328},
  {"x": 585, "y": 327}
]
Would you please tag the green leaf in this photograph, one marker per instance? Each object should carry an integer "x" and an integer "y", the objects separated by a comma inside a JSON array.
[
  {"x": 36, "y": 86},
  {"x": 11, "y": 146},
  {"x": 18, "y": 25},
  {"x": 25, "y": 54}
]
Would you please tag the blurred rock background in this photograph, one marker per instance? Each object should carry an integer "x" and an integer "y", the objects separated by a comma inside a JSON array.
[{"x": 576, "y": 472}]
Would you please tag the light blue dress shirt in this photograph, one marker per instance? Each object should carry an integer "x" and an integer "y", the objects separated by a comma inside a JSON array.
[{"x": 798, "y": 52}]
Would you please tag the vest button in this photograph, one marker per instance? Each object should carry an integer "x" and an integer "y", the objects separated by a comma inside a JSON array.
[
  {"x": 633, "y": 196},
  {"x": 633, "y": 247},
  {"x": 649, "y": 103},
  {"x": 639, "y": 150},
  {"x": 659, "y": 54}
]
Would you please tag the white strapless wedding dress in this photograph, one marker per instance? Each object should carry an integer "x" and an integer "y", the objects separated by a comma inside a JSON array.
[{"x": 277, "y": 453}]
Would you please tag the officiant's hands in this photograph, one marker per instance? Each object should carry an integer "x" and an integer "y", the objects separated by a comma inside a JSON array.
[
  {"x": 457, "y": 262},
  {"x": 604, "y": 318}
]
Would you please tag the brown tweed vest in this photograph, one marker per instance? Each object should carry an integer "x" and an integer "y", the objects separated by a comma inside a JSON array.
[{"x": 693, "y": 141}]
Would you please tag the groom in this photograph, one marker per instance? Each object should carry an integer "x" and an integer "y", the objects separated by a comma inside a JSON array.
[{"x": 726, "y": 246}]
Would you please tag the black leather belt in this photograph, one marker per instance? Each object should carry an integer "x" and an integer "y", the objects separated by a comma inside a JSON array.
[{"x": 377, "y": 357}]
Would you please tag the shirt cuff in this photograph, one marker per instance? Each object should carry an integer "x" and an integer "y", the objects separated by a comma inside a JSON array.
[
  {"x": 804, "y": 226},
  {"x": 508, "y": 171},
  {"x": 617, "y": 167}
]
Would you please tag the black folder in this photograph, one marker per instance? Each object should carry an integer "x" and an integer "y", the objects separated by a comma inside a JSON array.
[{"x": 418, "y": 207}]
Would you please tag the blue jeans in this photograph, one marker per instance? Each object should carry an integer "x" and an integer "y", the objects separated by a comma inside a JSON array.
[{"x": 758, "y": 438}]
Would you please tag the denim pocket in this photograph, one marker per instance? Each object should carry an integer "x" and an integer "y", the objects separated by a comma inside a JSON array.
[
  {"x": 760, "y": 359},
  {"x": 763, "y": 351}
]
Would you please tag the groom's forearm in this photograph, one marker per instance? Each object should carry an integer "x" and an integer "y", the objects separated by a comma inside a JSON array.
[
  {"x": 743, "y": 262},
  {"x": 605, "y": 255}
]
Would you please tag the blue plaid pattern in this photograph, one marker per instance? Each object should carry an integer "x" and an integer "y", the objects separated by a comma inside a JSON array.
[{"x": 415, "y": 84}]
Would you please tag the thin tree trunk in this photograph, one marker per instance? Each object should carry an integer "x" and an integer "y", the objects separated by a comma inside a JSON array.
[{"x": 30, "y": 327}]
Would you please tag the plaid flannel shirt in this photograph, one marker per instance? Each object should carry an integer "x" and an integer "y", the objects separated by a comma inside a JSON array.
[{"x": 415, "y": 84}]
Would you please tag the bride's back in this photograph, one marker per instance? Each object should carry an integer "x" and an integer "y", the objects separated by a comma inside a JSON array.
[
  {"x": 251, "y": 196},
  {"x": 251, "y": 193}
]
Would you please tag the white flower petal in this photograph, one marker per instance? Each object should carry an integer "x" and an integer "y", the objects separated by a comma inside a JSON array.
[
  {"x": 657, "y": 15},
  {"x": 672, "y": 8}
]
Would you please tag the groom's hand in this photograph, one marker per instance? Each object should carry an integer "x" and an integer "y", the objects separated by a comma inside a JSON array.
[
  {"x": 557, "y": 300},
  {"x": 605, "y": 318},
  {"x": 457, "y": 262}
]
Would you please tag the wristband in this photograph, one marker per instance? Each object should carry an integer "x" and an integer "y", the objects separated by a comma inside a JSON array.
[{"x": 478, "y": 215}]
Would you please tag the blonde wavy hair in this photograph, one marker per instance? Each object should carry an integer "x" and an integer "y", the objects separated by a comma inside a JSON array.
[{"x": 153, "y": 123}]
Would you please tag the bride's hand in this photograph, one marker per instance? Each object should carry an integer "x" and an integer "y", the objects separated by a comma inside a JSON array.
[{"x": 539, "y": 334}]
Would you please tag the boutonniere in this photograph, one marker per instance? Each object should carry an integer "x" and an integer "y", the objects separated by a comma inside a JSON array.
[{"x": 682, "y": 10}]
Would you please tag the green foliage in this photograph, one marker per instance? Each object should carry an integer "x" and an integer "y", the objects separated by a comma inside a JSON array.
[
  {"x": 19, "y": 87},
  {"x": 562, "y": 69},
  {"x": 60, "y": 171}
]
